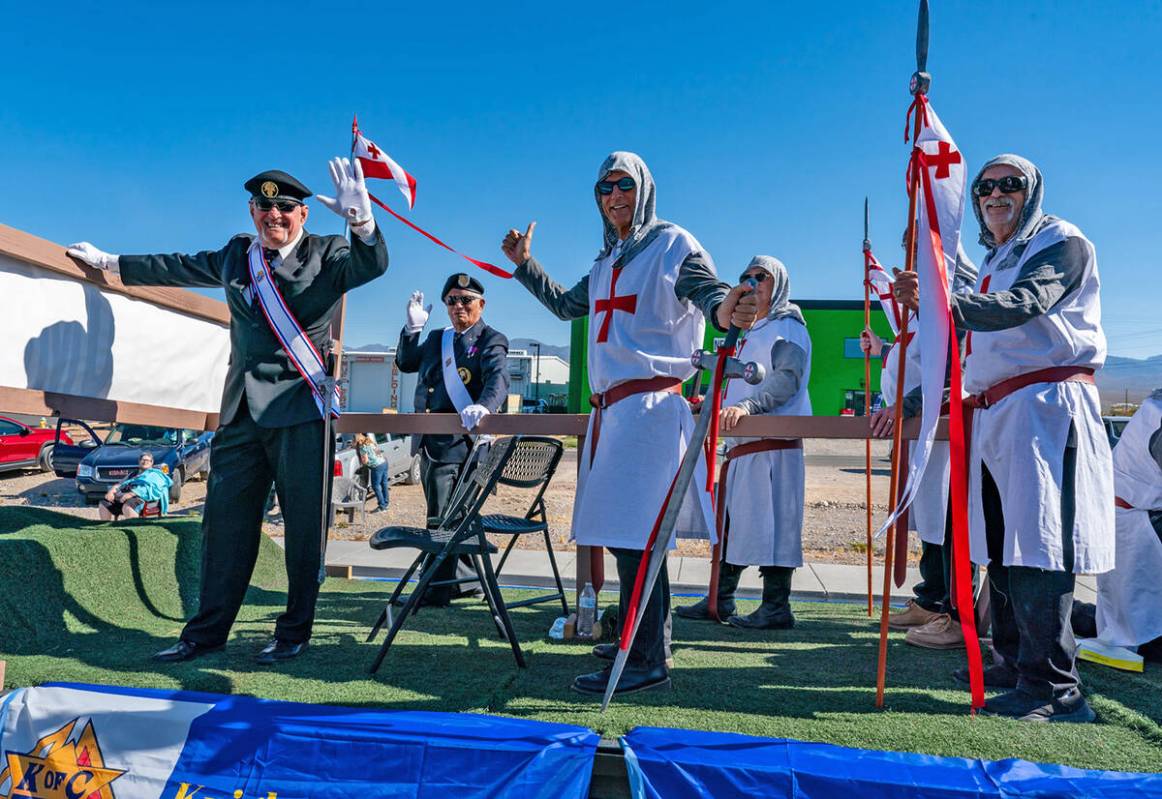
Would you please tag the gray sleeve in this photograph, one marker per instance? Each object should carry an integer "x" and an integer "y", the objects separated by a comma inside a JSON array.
[
  {"x": 1042, "y": 282},
  {"x": 698, "y": 283},
  {"x": 563, "y": 303},
  {"x": 1156, "y": 447},
  {"x": 788, "y": 363}
]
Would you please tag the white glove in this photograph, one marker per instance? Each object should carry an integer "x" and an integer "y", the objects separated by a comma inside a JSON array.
[
  {"x": 98, "y": 259},
  {"x": 471, "y": 416},
  {"x": 351, "y": 200},
  {"x": 417, "y": 313}
]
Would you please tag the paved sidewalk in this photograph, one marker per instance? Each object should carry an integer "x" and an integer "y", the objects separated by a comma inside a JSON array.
[{"x": 818, "y": 581}]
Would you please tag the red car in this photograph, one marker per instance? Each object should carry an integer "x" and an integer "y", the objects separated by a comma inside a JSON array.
[{"x": 24, "y": 447}]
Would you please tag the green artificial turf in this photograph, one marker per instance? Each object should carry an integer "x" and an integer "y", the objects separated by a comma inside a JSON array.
[{"x": 89, "y": 602}]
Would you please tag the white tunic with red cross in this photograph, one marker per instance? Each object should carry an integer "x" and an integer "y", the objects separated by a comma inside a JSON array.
[
  {"x": 1021, "y": 439},
  {"x": 639, "y": 329}
]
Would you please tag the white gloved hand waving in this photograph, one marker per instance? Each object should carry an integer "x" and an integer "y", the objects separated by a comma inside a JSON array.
[
  {"x": 98, "y": 259},
  {"x": 351, "y": 200},
  {"x": 471, "y": 416},
  {"x": 417, "y": 314}
]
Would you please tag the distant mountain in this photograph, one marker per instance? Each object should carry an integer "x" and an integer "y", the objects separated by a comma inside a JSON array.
[
  {"x": 527, "y": 344},
  {"x": 1128, "y": 377}
]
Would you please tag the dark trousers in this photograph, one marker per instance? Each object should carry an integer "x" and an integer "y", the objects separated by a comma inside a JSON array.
[
  {"x": 934, "y": 591},
  {"x": 649, "y": 648},
  {"x": 438, "y": 480},
  {"x": 244, "y": 460},
  {"x": 1031, "y": 607},
  {"x": 378, "y": 479}
]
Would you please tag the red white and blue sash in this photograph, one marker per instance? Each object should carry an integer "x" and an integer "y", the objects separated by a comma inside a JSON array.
[{"x": 295, "y": 342}]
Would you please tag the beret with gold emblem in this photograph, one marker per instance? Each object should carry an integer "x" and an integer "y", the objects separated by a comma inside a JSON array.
[
  {"x": 464, "y": 282},
  {"x": 274, "y": 184}
]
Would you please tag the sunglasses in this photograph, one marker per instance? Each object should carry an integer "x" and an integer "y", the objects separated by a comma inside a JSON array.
[
  {"x": 1009, "y": 184},
  {"x": 758, "y": 277},
  {"x": 606, "y": 186},
  {"x": 267, "y": 204},
  {"x": 459, "y": 299}
]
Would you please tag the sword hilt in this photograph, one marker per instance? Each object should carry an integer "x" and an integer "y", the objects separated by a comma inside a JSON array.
[{"x": 753, "y": 373}]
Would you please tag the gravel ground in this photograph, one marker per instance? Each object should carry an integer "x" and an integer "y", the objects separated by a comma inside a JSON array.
[{"x": 834, "y": 527}]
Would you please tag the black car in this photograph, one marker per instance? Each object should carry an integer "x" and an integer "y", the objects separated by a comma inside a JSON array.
[{"x": 98, "y": 464}]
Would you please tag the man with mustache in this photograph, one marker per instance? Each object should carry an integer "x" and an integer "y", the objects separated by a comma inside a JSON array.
[
  {"x": 1040, "y": 476},
  {"x": 645, "y": 296},
  {"x": 270, "y": 425}
]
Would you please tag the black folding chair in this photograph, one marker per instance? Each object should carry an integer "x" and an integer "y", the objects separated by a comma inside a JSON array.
[
  {"x": 531, "y": 466},
  {"x": 460, "y": 532}
]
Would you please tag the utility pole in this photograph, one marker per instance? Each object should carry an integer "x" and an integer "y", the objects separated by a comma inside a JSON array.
[{"x": 537, "y": 390}]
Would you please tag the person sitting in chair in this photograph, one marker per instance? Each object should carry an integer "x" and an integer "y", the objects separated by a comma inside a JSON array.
[{"x": 128, "y": 497}]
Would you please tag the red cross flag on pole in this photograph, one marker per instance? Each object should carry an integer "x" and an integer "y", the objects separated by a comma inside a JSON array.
[
  {"x": 936, "y": 178},
  {"x": 378, "y": 164},
  {"x": 880, "y": 282}
]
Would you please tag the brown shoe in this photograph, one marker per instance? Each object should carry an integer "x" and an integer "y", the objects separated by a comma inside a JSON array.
[
  {"x": 940, "y": 633},
  {"x": 911, "y": 616}
]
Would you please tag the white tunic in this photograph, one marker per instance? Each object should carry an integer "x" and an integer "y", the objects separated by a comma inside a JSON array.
[
  {"x": 764, "y": 492},
  {"x": 1129, "y": 598},
  {"x": 929, "y": 510},
  {"x": 1022, "y": 438},
  {"x": 644, "y": 436}
]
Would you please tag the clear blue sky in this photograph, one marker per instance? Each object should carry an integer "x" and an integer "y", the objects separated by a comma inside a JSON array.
[{"x": 133, "y": 125}]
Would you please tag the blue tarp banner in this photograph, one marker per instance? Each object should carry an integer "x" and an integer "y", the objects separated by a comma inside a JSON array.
[
  {"x": 68, "y": 741},
  {"x": 676, "y": 764}
]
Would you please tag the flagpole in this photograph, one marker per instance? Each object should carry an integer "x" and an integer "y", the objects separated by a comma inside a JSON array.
[
  {"x": 867, "y": 397},
  {"x": 918, "y": 87}
]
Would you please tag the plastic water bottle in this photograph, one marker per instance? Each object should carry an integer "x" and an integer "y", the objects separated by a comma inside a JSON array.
[{"x": 586, "y": 612}]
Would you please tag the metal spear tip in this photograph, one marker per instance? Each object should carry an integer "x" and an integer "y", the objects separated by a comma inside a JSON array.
[{"x": 922, "y": 38}]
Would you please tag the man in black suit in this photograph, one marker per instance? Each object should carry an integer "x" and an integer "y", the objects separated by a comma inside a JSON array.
[
  {"x": 271, "y": 428},
  {"x": 476, "y": 385}
]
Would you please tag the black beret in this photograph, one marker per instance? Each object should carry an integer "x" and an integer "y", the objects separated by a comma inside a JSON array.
[
  {"x": 274, "y": 184},
  {"x": 460, "y": 280}
]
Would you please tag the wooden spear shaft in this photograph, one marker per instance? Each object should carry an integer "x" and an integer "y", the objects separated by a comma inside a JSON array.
[
  {"x": 867, "y": 412},
  {"x": 902, "y": 344}
]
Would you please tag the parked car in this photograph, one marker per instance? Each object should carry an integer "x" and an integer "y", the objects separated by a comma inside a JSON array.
[
  {"x": 1114, "y": 426},
  {"x": 24, "y": 447},
  {"x": 534, "y": 406},
  {"x": 98, "y": 464},
  {"x": 402, "y": 466}
]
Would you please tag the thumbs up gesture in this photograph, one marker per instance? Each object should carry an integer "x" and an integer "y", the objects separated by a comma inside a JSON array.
[{"x": 517, "y": 246}]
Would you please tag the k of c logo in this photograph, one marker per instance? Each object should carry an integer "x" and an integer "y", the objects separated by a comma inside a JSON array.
[{"x": 59, "y": 768}]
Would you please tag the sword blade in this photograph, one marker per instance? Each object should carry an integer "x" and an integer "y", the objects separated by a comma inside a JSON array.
[
  {"x": 922, "y": 38},
  {"x": 662, "y": 542}
]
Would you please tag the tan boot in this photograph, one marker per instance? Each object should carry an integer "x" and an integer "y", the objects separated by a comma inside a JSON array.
[
  {"x": 940, "y": 633},
  {"x": 911, "y": 616}
]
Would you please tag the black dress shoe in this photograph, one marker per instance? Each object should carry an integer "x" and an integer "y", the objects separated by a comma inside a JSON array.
[
  {"x": 279, "y": 650},
  {"x": 633, "y": 679},
  {"x": 184, "y": 650}
]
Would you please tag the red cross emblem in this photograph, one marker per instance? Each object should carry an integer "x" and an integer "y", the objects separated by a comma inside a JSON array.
[
  {"x": 626, "y": 303},
  {"x": 944, "y": 158},
  {"x": 373, "y": 151}
]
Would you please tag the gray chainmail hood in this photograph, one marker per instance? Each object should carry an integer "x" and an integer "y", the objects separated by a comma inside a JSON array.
[
  {"x": 645, "y": 221},
  {"x": 781, "y": 305},
  {"x": 965, "y": 274},
  {"x": 1031, "y": 214}
]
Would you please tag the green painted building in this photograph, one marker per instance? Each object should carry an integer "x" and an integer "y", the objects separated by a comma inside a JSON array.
[{"x": 836, "y": 361}]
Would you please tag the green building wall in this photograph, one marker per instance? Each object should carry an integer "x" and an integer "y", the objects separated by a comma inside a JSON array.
[{"x": 833, "y": 375}]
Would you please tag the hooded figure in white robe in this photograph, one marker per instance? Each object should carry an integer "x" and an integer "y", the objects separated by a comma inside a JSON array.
[
  {"x": 763, "y": 491},
  {"x": 1040, "y": 477},
  {"x": 646, "y": 297}
]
